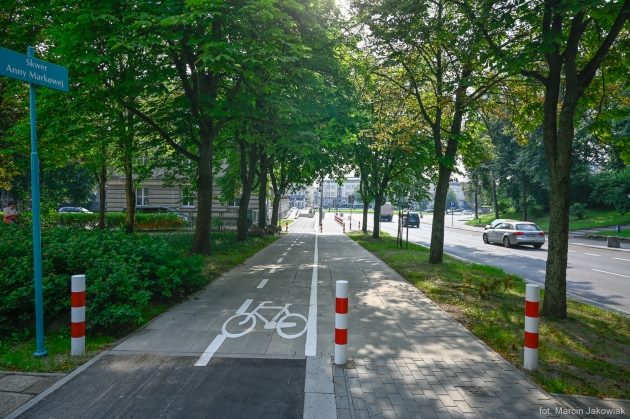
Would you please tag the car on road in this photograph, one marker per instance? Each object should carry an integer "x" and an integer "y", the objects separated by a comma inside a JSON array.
[
  {"x": 387, "y": 212},
  {"x": 75, "y": 209},
  {"x": 411, "y": 220},
  {"x": 514, "y": 233}
]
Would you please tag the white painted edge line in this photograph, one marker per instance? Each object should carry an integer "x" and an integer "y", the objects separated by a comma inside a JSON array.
[
  {"x": 263, "y": 283},
  {"x": 216, "y": 343},
  {"x": 32, "y": 402},
  {"x": 280, "y": 260},
  {"x": 610, "y": 273},
  {"x": 592, "y": 254},
  {"x": 310, "y": 348},
  {"x": 207, "y": 355},
  {"x": 625, "y": 260},
  {"x": 600, "y": 247}
]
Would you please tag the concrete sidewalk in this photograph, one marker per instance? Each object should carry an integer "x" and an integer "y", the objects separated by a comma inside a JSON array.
[{"x": 410, "y": 358}]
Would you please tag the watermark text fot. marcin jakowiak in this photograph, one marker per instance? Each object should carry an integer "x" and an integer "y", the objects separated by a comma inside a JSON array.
[{"x": 590, "y": 411}]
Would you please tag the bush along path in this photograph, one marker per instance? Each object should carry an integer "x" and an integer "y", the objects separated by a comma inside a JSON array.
[{"x": 130, "y": 279}]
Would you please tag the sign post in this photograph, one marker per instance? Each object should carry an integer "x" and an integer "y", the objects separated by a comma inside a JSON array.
[
  {"x": 452, "y": 213},
  {"x": 34, "y": 71}
]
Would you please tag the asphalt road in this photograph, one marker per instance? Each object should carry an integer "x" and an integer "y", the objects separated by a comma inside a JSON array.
[
  {"x": 598, "y": 275},
  {"x": 236, "y": 349}
]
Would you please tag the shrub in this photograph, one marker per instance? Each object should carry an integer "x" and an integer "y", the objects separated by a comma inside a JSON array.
[
  {"x": 124, "y": 274},
  {"x": 578, "y": 210},
  {"x": 257, "y": 232},
  {"x": 217, "y": 223},
  {"x": 612, "y": 189}
]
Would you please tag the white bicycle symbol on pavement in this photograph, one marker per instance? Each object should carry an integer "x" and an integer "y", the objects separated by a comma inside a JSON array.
[{"x": 243, "y": 323}]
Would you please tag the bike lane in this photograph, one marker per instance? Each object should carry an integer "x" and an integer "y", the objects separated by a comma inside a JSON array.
[{"x": 236, "y": 349}]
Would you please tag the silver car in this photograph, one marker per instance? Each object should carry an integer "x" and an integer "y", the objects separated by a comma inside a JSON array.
[{"x": 514, "y": 233}]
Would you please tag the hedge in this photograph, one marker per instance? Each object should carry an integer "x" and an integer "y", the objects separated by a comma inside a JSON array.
[
  {"x": 125, "y": 273},
  {"x": 113, "y": 220}
]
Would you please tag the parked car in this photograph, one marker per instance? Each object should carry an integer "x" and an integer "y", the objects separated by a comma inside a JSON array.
[
  {"x": 514, "y": 233},
  {"x": 161, "y": 210},
  {"x": 74, "y": 209},
  {"x": 411, "y": 220}
]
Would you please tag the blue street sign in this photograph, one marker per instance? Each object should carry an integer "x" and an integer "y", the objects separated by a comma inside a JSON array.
[
  {"x": 452, "y": 204},
  {"x": 32, "y": 70}
]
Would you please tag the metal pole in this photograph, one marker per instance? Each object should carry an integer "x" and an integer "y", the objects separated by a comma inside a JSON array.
[
  {"x": 40, "y": 350},
  {"x": 407, "y": 242},
  {"x": 321, "y": 201}
]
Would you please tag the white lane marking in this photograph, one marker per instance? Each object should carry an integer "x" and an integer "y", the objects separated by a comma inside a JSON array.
[
  {"x": 272, "y": 270},
  {"x": 284, "y": 254},
  {"x": 280, "y": 260},
  {"x": 625, "y": 260},
  {"x": 263, "y": 283},
  {"x": 611, "y": 273},
  {"x": 310, "y": 349},
  {"x": 216, "y": 343},
  {"x": 572, "y": 251},
  {"x": 244, "y": 306},
  {"x": 210, "y": 351},
  {"x": 592, "y": 254}
]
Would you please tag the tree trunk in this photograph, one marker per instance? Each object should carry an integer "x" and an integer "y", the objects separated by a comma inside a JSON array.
[
  {"x": 399, "y": 238},
  {"x": 376, "y": 230},
  {"x": 201, "y": 238},
  {"x": 262, "y": 191},
  {"x": 477, "y": 198},
  {"x": 248, "y": 159},
  {"x": 275, "y": 212},
  {"x": 494, "y": 198},
  {"x": 366, "y": 207},
  {"x": 525, "y": 214},
  {"x": 277, "y": 197},
  {"x": 242, "y": 223},
  {"x": 436, "y": 251},
  {"x": 130, "y": 195},
  {"x": 102, "y": 194}
]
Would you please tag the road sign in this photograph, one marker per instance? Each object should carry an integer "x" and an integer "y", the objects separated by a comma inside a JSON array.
[
  {"x": 32, "y": 70},
  {"x": 452, "y": 204}
]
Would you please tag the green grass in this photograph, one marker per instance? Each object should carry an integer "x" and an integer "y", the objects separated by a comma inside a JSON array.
[
  {"x": 16, "y": 352},
  {"x": 586, "y": 354},
  {"x": 593, "y": 218}
]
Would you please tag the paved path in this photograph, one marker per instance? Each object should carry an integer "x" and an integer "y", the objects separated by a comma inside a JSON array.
[{"x": 212, "y": 357}]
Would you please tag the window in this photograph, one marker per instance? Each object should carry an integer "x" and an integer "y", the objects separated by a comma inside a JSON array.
[
  {"x": 188, "y": 197},
  {"x": 252, "y": 216},
  {"x": 142, "y": 197},
  {"x": 233, "y": 204}
]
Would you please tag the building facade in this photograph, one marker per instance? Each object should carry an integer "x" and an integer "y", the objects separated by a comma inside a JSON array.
[{"x": 182, "y": 198}]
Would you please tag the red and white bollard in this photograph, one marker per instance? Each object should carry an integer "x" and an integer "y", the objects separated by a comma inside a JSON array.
[
  {"x": 341, "y": 322},
  {"x": 77, "y": 316},
  {"x": 532, "y": 309}
]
